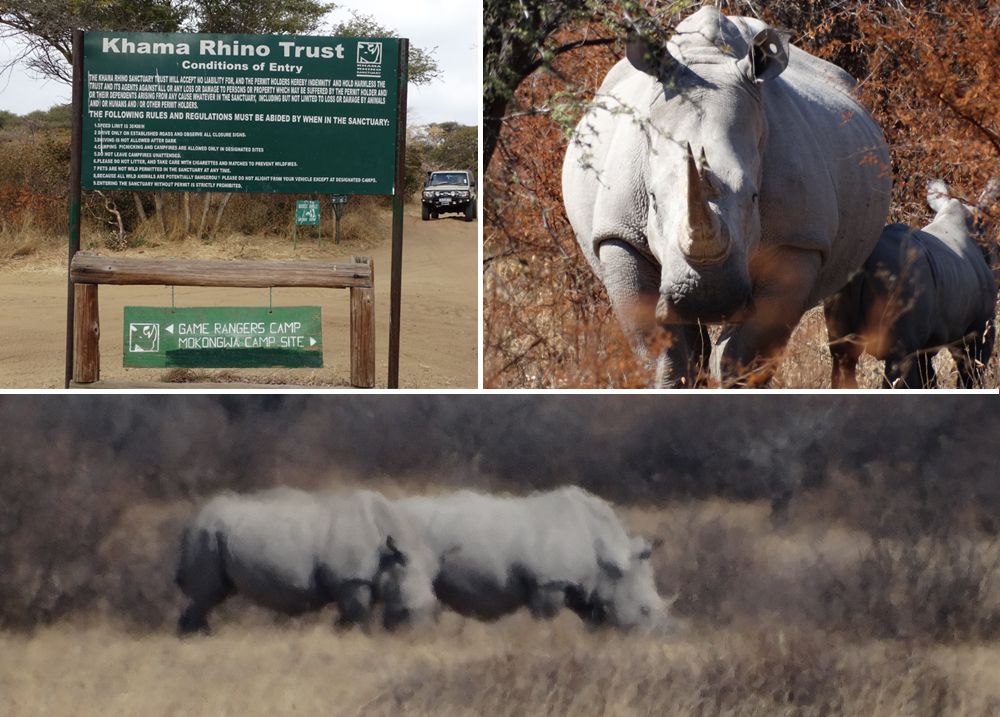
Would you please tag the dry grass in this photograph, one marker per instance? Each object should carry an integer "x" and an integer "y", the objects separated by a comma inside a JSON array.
[{"x": 514, "y": 667}]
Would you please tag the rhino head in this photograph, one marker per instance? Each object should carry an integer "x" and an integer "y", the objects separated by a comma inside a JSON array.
[
  {"x": 626, "y": 594},
  {"x": 404, "y": 586},
  {"x": 701, "y": 163}
]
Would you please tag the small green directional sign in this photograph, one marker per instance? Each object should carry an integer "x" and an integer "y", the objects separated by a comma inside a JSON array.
[
  {"x": 223, "y": 337},
  {"x": 307, "y": 212}
]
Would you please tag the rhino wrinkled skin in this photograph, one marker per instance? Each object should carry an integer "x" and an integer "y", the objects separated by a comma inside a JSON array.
[{"x": 733, "y": 180}]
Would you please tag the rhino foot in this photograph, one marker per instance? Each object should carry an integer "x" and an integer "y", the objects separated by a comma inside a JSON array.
[{"x": 192, "y": 621}]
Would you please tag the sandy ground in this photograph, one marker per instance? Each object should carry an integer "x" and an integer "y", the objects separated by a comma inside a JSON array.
[{"x": 438, "y": 343}]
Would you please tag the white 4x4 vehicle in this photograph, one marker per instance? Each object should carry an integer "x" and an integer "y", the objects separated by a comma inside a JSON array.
[{"x": 453, "y": 190}]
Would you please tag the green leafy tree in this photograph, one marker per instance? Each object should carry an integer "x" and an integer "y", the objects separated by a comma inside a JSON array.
[
  {"x": 44, "y": 28},
  {"x": 256, "y": 17},
  {"x": 414, "y": 165},
  {"x": 518, "y": 39},
  {"x": 458, "y": 149},
  {"x": 423, "y": 66}
]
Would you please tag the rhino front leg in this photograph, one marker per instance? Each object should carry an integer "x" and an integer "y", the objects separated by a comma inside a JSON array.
[
  {"x": 545, "y": 601},
  {"x": 677, "y": 353},
  {"x": 842, "y": 312},
  {"x": 748, "y": 354}
]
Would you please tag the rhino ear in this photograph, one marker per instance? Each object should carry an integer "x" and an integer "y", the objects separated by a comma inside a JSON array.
[
  {"x": 390, "y": 554},
  {"x": 613, "y": 571},
  {"x": 644, "y": 548},
  {"x": 645, "y": 57},
  {"x": 767, "y": 57}
]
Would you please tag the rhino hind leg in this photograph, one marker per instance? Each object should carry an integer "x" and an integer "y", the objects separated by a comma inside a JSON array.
[
  {"x": 972, "y": 355},
  {"x": 913, "y": 371},
  {"x": 202, "y": 577}
]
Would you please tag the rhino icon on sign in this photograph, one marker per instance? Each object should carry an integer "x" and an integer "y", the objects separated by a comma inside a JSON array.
[
  {"x": 143, "y": 338},
  {"x": 369, "y": 53}
]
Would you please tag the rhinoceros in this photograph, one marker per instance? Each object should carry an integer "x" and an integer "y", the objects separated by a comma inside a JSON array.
[
  {"x": 294, "y": 551},
  {"x": 921, "y": 290},
  {"x": 728, "y": 177},
  {"x": 545, "y": 551}
]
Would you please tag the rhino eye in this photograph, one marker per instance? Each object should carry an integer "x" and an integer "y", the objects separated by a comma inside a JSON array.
[{"x": 754, "y": 198}]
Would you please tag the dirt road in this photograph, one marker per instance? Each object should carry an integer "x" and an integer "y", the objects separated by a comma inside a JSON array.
[{"x": 438, "y": 343}]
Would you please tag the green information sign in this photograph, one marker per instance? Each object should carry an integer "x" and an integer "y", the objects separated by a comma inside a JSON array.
[
  {"x": 223, "y": 337},
  {"x": 307, "y": 212},
  {"x": 243, "y": 113}
]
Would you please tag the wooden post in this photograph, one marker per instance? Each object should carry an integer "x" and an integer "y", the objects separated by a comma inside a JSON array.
[
  {"x": 87, "y": 335},
  {"x": 75, "y": 169},
  {"x": 398, "y": 192},
  {"x": 87, "y": 268},
  {"x": 363, "y": 331}
]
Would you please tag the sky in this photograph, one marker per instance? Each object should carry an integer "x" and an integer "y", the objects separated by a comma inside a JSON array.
[{"x": 454, "y": 27}]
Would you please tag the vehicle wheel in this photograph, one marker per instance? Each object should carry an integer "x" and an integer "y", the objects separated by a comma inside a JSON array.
[
  {"x": 425, "y": 212},
  {"x": 434, "y": 215},
  {"x": 470, "y": 212}
]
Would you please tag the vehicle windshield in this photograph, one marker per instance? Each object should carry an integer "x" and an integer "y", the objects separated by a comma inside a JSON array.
[{"x": 439, "y": 178}]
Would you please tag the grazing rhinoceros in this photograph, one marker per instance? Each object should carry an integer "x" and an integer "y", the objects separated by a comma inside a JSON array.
[
  {"x": 725, "y": 178},
  {"x": 294, "y": 551},
  {"x": 921, "y": 290},
  {"x": 545, "y": 551}
]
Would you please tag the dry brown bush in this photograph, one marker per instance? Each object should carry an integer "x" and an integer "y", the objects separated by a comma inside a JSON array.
[
  {"x": 928, "y": 71},
  {"x": 34, "y": 181}
]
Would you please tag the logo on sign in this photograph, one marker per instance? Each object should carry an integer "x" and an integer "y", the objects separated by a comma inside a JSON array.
[
  {"x": 369, "y": 59},
  {"x": 143, "y": 338}
]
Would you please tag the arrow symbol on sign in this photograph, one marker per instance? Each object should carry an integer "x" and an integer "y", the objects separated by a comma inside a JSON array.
[
  {"x": 170, "y": 329},
  {"x": 312, "y": 341}
]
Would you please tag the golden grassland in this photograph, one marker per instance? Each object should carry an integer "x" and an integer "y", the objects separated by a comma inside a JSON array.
[
  {"x": 758, "y": 629},
  {"x": 515, "y": 667}
]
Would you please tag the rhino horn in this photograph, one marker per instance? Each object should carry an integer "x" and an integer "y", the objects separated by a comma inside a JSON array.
[
  {"x": 706, "y": 244},
  {"x": 704, "y": 172}
]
